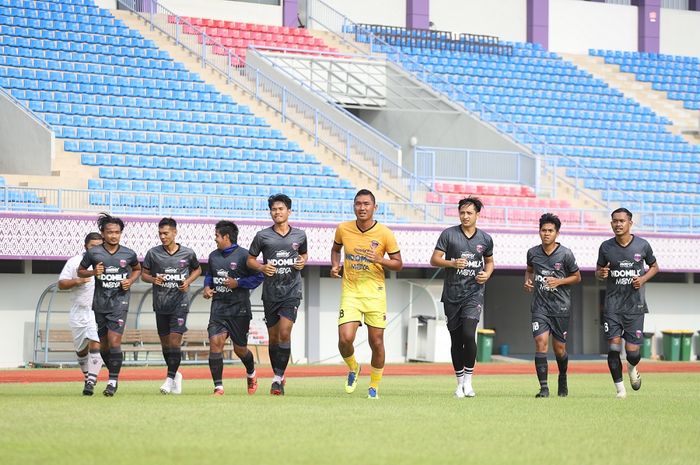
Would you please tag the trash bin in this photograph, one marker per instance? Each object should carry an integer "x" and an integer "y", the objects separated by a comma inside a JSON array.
[
  {"x": 505, "y": 350},
  {"x": 484, "y": 342},
  {"x": 647, "y": 344},
  {"x": 686, "y": 345},
  {"x": 672, "y": 345}
]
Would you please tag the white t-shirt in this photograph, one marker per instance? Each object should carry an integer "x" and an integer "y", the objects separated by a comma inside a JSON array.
[{"x": 82, "y": 293}]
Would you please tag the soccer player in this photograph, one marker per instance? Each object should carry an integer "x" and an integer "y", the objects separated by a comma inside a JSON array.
[
  {"x": 366, "y": 242},
  {"x": 228, "y": 283},
  {"x": 621, "y": 263},
  {"x": 171, "y": 268},
  {"x": 115, "y": 269},
  {"x": 82, "y": 319},
  {"x": 466, "y": 253},
  {"x": 284, "y": 256},
  {"x": 551, "y": 270}
]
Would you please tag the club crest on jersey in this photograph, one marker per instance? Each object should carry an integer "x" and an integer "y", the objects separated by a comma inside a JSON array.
[
  {"x": 233, "y": 265},
  {"x": 122, "y": 263},
  {"x": 637, "y": 257},
  {"x": 374, "y": 244},
  {"x": 120, "y": 322},
  {"x": 182, "y": 263},
  {"x": 638, "y": 333},
  {"x": 295, "y": 245},
  {"x": 479, "y": 248},
  {"x": 557, "y": 266},
  {"x": 180, "y": 321},
  {"x": 565, "y": 333}
]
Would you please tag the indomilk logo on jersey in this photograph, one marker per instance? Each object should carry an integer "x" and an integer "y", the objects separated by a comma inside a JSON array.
[
  {"x": 112, "y": 278},
  {"x": 220, "y": 281},
  {"x": 173, "y": 277}
]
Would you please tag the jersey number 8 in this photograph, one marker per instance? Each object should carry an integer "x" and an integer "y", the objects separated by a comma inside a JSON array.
[{"x": 535, "y": 326}]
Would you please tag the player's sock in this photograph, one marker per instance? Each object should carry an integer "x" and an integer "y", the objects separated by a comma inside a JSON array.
[
  {"x": 467, "y": 387},
  {"x": 457, "y": 350},
  {"x": 283, "y": 354},
  {"x": 563, "y": 364},
  {"x": 115, "y": 363},
  {"x": 249, "y": 363},
  {"x": 104, "y": 353},
  {"x": 459, "y": 374},
  {"x": 351, "y": 362},
  {"x": 83, "y": 364},
  {"x": 633, "y": 358},
  {"x": 216, "y": 367},
  {"x": 94, "y": 365},
  {"x": 173, "y": 361},
  {"x": 273, "y": 349},
  {"x": 541, "y": 368},
  {"x": 375, "y": 376},
  {"x": 614, "y": 363},
  {"x": 469, "y": 327}
]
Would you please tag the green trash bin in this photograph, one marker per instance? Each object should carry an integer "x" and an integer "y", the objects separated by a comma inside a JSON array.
[
  {"x": 686, "y": 345},
  {"x": 672, "y": 345},
  {"x": 484, "y": 342},
  {"x": 647, "y": 344}
]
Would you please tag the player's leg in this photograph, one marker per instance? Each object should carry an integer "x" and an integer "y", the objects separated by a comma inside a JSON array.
[
  {"x": 457, "y": 354},
  {"x": 376, "y": 343},
  {"x": 217, "y": 341},
  {"x": 540, "y": 332},
  {"x": 560, "y": 329},
  {"x": 272, "y": 319},
  {"x": 78, "y": 325},
  {"x": 174, "y": 360},
  {"x": 632, "y": 333},
  {"x": 239, "y": 337},
  {"x": 613, "y": 332},
  {"x": 116, "y": 358},
  {"x": 163, "y": 328},
  {"x": 284, "y": 333},
  {"x": 469, "y": 331},
  {"x": 346, "y": 338},
  {"x": 94, "y": 358}
]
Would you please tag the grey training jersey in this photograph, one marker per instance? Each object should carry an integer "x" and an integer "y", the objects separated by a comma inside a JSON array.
[
  {"x": 460, "y": 286},
  {"x": 109, "y": 295},
  {"x": 282, "y": 252},
  {"x": 625, "y": 264},
  {"x": 174, "y": 269},
  {"x": 559, "y": 264},
  {"x": 229, "y": 302}
]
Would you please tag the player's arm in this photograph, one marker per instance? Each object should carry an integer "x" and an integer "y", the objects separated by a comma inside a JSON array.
[
  {"x": 300, "y": 262},
  {"x": 393, "y": 263},
  {"x": 83, "y": 271},
  {"x": 639, "y": 281},
  {"x": 335, "y": 260},
  {"x": 147, "y": 277},
  {"x": 194, "y": 274},
  {"x": 266, "y": 268},
  {"x": 573, "y": 278},
  {"x": 528, "y": 285},
  {"x": 66, "y": 284},
  {"x": 486, "y": 273},
  {"x": 208, "y": 290},
  {"x": 438, "y": 260},
  {"x": 602, "y": 271},
  {"x": 133, "y": 276},
  {"x": 251, "y": 280}
]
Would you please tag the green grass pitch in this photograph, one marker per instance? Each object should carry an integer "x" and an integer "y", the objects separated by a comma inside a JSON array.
[{"x": 417, "y": 421}]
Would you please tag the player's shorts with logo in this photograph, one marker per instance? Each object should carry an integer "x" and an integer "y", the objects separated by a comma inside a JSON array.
[
  {"x": 236, "y": 327},
  {"x": 558, "y": 326},
  {"x": 275, "y": 310},
  {"x": 113, "y": 321},
  {"x": 457, "y": 313},
  {"x": 82, "y": 326},
  {"x": 175, "y": 322},
  {"x": 629, "y": 326},
  {"x": 370, "y": 310}
]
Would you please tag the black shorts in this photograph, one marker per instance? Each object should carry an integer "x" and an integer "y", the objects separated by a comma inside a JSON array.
[
  {"x": 557, "y": 326},
  {"x": 457, "y": 313},
  {"x": 630, "y": 327},
  {"x": 171, "y": 322},
  {"x": 275, "y": 310},
  {"x": 114, "y": 321},
  {"x": 235, "y": 327}
]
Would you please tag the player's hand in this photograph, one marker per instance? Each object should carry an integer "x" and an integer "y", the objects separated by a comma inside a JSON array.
[
  {"x": 299, "y": 263},
  {"x": 552, "y": 282},
  {"x": 637, "y": 282},
  {"x": 126, "y": 284},
  {"x": 375, "y": 257},
  {"x": 184, "y": 286},
  {"x": 268, "y": 269},
  {"x": 158, "y": 280},
  {"x": 459, "y": 263},
  {"x": 482, "y": 277},
  {"x": 208, "y": 292},
  {"x": 528, "y": 286},
  {"x": 231, "y": 283},
  {"x": 99, "y": 269},
  {"x": 335, "y": 271},
  {"x": 604, "y": 272}
]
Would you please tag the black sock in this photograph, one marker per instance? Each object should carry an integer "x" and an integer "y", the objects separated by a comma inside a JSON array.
[
  {"x": 633, "y": 358},
  {"x": 541, "y": 368},
  {"x": 469, "y": 328},
  {"x": 104, "y": 353},
  {"x": 216, "y": 367},
  {"x": 563, "y": 364},
  {"x": 173, "y": 359},
  {"x": 457, "y": 349},
  {"x": 283, "y": 353},
  {"x": 615, "y": 365},
  {"x": 115, "y": 362},
  {"x": 274, "y": 357},
  {"x": 249, "y": 362}
]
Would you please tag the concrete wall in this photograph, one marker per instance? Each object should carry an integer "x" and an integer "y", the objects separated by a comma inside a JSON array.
[
  {"x": 227, "y": 10},
  {"x": 26, "y": 145},
  {"x": 106, "y": 4},
  {"x": 386, "y": 12},
  {"x": 680, "y": 32},
  {"x": 504, "y": 18}
]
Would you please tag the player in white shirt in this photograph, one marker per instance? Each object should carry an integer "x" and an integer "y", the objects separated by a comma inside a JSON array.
[{"x": 82, "y": 318}]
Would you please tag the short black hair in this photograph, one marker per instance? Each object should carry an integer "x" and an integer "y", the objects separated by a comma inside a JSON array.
[
  {"x": 227, "y": 228},
  {"x": 476, "y": 201},
  {"x": 622, "y": 210},
  {"x": 365, "y": 192},
  {"x": 550, "y": 218},
  {"x": 279, "y": 198},
  {"x": 167, "y": 222},
  {"x": 106, "y": 218},
  {"x": 93, "y": 236}
]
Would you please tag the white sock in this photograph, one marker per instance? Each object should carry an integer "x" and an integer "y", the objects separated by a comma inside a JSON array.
[
  {"x": 277, "y": 379},
  {"x": 251, "y": 375},
  {"x": 112, "y": 382},
  {"x": 83, "y": 363},
  {"x": 620, "y": 387},
  {"x": 94, "y": 366},
  {"x": 468, "y": 376}
]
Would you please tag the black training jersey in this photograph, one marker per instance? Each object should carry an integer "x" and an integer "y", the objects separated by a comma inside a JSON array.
[
  {"x": 229, "y": 302},
  {"x": 460, "y": 286},
  {"x": 174, "y": 269},
  {"x": 626, "y": 263},
  {"x": 559, "y": 264},
  {"x": 282, "y": 252},
  {"x": 109, "y": 295}
]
